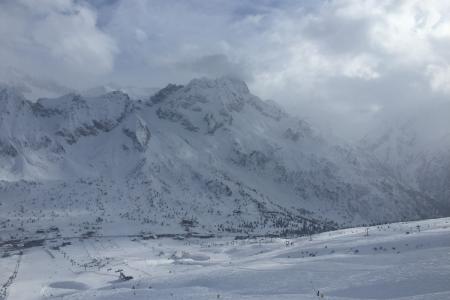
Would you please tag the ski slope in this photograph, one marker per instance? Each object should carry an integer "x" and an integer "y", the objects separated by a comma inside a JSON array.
[{"x": 408, "y": 260}]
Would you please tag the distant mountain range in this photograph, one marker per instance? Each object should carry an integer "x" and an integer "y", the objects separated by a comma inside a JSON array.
[{"x": 208, "y": 157}]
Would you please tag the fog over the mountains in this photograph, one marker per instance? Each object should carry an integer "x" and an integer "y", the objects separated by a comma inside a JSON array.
[
  {"x": 349, "y": 66},
  {"x": 224, "y": 149}
]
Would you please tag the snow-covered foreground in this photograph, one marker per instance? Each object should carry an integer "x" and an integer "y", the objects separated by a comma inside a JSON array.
[{"x": 396, "y": 261}]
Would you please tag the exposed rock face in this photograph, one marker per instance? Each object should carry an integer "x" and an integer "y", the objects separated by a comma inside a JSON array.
[{"x": 139, "y": 133}]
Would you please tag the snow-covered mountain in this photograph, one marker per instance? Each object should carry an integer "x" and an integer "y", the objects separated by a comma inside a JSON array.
[
  {"x": 416, "y": 149},
  {"x": 205, "y": 157}
]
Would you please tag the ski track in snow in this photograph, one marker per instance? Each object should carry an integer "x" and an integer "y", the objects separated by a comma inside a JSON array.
[
  {"x": 4, "y": 288},
  {"x": 344, "y": 264}
]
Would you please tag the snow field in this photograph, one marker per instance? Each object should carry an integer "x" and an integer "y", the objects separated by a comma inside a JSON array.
[{"x": 395, "y": 261}]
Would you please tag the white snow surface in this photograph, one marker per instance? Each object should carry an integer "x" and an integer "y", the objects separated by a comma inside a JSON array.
[{"x": 409, "y": 260}]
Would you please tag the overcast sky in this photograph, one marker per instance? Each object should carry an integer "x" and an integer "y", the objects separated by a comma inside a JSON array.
[{"x": 337, "y": 60}]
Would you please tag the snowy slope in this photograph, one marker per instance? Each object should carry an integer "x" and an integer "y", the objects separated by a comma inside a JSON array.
[
  {"x": 395, "y": 261},
  {"x": 205, "y": 157},
  {"x": 416, "y": 149}
]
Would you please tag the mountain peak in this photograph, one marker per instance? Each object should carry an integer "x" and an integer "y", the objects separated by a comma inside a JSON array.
[{"x": 229, "y": 83}]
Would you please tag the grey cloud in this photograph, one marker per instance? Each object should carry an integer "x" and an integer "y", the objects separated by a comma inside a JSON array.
[
  {"x": 217, "y": 65},
  {"x": 334, "y": 61},
  {"x": 57, "y": 39}
]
